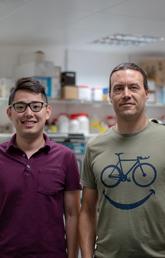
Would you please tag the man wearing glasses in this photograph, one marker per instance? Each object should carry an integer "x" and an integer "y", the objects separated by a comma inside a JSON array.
[{"x": 39, "y": 183}]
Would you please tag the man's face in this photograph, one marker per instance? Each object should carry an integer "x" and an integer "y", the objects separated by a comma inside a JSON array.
[
  {"x": 28, "y": 123},
  {"x": 128, "y": 95}
]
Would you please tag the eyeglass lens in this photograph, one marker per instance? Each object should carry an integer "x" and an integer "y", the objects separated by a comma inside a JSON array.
[{"x": 34, "y": 106}]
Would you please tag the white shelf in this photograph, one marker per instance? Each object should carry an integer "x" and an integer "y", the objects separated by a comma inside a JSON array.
[
  {"x": 85, "y": 102},
  {"x": 155, "y": 105},
  {"x": 77, "y": 102}
]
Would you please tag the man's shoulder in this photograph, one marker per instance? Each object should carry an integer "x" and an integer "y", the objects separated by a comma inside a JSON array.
[
  {"x": 4, "y": 145},
  {"x": 157, "y": 127},
  {"x": 100, "y": 138}
]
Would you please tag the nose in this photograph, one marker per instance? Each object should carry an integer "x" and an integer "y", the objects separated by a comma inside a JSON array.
[
  {"x": 126, "y": 92},
  {"x": 28, "y": 111}
]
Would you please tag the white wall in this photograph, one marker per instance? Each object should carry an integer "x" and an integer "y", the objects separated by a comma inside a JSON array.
[{"x": 93, "y": 68}]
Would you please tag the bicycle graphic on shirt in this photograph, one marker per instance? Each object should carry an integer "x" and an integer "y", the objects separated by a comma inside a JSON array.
[{"x": 141, "y": 173}]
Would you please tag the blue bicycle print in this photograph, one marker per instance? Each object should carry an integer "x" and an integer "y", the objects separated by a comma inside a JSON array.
[{"x": 141, "y": 173}]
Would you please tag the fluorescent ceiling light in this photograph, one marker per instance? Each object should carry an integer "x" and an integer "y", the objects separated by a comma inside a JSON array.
[{"x": 127, "y": 40}]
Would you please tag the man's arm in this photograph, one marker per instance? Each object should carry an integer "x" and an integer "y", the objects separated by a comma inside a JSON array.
[
  {"x": 72, "y": 208},
  {"x": 87, "y": 222}
]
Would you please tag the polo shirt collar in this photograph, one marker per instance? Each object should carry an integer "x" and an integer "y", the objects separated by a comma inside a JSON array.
[{"x": 11, "y": 145}]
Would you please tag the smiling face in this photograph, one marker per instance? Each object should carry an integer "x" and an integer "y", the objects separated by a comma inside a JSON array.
[
  {"x": 128, "y": 95},
  {"x": 29, "y": 123}
]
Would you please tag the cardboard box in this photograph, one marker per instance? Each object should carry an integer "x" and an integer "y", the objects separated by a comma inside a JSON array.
[
  {"x": 69, "y": 92},
  {"x": 155, "y": 69}
]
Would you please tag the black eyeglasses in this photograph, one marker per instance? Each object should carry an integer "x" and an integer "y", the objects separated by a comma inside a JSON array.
[{"x": 35, "y": 106}]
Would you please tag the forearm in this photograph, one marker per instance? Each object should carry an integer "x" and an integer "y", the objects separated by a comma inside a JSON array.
[
  {"x": 72, "y": 236},
  {"x": 87, "y": 234}
]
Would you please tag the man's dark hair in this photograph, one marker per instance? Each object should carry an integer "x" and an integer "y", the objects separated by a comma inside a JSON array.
[
  {"x": 27, "y": 84},
  {"x": 131, "y": 66}
]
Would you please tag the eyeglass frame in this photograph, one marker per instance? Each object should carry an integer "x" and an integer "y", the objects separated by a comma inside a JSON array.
[{"x": 28, "y": 105}]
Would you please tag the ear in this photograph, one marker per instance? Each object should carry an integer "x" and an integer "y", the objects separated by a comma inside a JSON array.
[
  {"x": 110, "y": 99},
  {"x": 48, "y": 112},
  {"x": 8, "y": 111},
  {"x": 147, "y": 94}
]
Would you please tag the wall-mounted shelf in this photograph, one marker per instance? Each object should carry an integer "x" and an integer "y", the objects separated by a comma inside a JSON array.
[
  {"x": 85, "y": 102},
  {"x": 77, "y": 102}
]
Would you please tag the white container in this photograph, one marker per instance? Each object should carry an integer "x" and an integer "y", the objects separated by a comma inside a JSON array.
[
  {"x": 63, "y": 123},
  {"x": 97, "y": 94},
  {"x": 83, "y": 123},
  {"x": 84, "y": 93},
  {"x": 74, "y": 126}
]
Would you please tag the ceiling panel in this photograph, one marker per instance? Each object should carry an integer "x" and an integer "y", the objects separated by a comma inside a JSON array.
[
  {"x": 9, "y": 7},
  {"x": 75, "y": 23},
  {"x": 146, "y": 9}
]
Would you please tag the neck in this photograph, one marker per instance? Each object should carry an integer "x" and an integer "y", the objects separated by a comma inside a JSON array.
[
  {"x": 30, "y": 144},
  {"x": 131, "y": 126}
]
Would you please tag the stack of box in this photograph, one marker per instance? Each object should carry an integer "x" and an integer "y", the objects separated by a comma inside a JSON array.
[{"x": 68, "y": 83}]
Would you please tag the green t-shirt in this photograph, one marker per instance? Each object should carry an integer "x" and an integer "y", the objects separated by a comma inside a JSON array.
[{"x": 128, "y": 172}]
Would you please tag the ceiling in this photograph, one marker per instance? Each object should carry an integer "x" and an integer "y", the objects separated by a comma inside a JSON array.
[{"x": 76, "y": 23}]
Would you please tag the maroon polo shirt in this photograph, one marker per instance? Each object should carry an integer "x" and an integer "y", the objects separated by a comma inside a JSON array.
[{"x": 31, "y": 200}]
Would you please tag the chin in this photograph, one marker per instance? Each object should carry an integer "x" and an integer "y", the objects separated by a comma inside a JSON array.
[
  {"x": 29, "y": 134},
  {"x": 128, "y": 113}
]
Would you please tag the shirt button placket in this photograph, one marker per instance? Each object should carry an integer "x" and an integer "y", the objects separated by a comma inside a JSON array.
[{"x": 27, "y": 170}]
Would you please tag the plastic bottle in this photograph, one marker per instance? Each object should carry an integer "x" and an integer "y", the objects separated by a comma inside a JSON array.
[
  {"x": 83, "y": 123},
  {"x": 63, "y": 123},
  {"x": 97, "y": 94},
  {"x": 74, "y": 126}
]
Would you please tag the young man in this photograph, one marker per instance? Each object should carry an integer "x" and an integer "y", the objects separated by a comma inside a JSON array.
[
  {"x": 123, "y": 208},
  {"x": 39, "y": 183}
]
